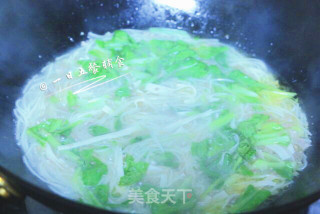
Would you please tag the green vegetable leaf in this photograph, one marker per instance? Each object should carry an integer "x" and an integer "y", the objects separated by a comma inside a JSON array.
[
  {"x": 272, "y": 133},
  {"x": 276, "y": 95},
  {"x": 99, "y": 54},
  {"x": 91, "y": 175},
  {"x": 200, "y": 149},
  {"x": 215, "y": 71},
  {"x": 102, "y": 192},
  {"x": 138, "y": 139},
  {"x": 133, "y": 171},
  {"x": 189, "y": 67},
  {"x": 244, "y": 94},
  {"x": 117, "y": 123},
  {"x": 123, "y": 91},
  {"x": 207, "y": 52},
  {"x": 55, "y": 127},
  {"x": 246, "y": 150},
  {"x": 92, "y": 169},
  {"x": 213, "y": 157},
  {"x": 71, "y": 100},
  {"x": 249, "y": 127},
  {"x": 161, "y": 47},
  {"x": 128, "y": 52},
  {"x": 55, "y": 132},
  {"x": 224, "y": 119},
  {"x": 54, "y": 99},
  {"x": 122, "y": 36},
  {"x": 247, "y": 81},
  {"x": 94, "y": 195},
  {"x": 97, "y": 130},
  {"x": 245, "y": 171},
  {"x": 249, "y": 200},
  {"x": 283, "y": 168},
  {"x": 166, "y": 159}
]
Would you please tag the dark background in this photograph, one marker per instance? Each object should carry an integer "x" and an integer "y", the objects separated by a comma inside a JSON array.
[{"x": 283, "y": 33}]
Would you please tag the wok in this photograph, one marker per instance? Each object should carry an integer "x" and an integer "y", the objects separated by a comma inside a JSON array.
[{"x": 285, "y": 34}]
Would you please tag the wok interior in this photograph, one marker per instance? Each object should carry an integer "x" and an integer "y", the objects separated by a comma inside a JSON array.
[{"x": 32, "y": 35}]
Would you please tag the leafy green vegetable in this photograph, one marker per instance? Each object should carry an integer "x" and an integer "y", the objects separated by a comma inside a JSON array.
[
  {"x": 224, "y": 119},
  {"x": 98, "y": 53},
  {"x": 181, "y": 54},
  {"x": 221, "y": 59},
  {"x": 55, "y": 132},
  {"x": 84, "y": 64},
  {"x": 285, "y": 171},
  {"x": 283, "y": 140},
  {"x": 42, "y": 136},
  {"x": 133, "y": 171},
  {"x": 128, "y": 52},
  {"x": 161, "y": 47},
  {"x": 122, "y": 36},
  {"x": 190, "y": 67},
  {"x": 246, "y": 81},
  {"x": 54, "y": 127},
  {"x": 215, "y": 71},
  {"x": 92, "y": 168},
  {"x": 283, "y": 168},
  {"x": 138, "y": 139},
  {"x": 213, "y": 157},
  {"x": 243, "y": 94},
  {"x": 101, "y": 43},
  {"x": 178, "y": 58},
  {"x": 207, "y": 52},
  {"x": 249, "y": 127},
  {"x": 246, "y": 150},
  {"x": 123, "y": 91},
  {"x": 200, "y": 149},
  {"x": 272, "y": 133},
  {"x": 117, "y": 123},
  {"x": 72, "y": 99},
  {"x": 54, "y": 99},
  {"x": 166, "y": 159},
  {"x": 263, "y": 132},
  {"x": 276, "y": 95},
  {"x": 97, "y": 130},
  {"x": 249, "y": 200},
  {"x": 102, "y": 192},
  {"x": 216, "y": 184},
  {"x": 95, "y": 195},
  {"x": 244, "y": 170}
]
